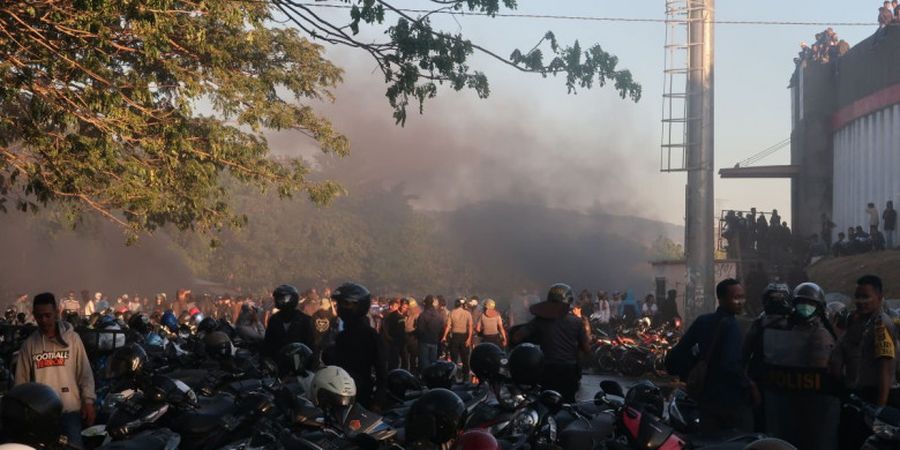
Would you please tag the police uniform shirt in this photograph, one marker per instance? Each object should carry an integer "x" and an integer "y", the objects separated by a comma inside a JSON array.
[{"x": 865, "y": 342}]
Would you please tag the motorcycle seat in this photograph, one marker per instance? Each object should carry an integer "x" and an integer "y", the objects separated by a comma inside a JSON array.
[
  {"x": 148, "y": 440},
  {"x": 723, "y": 439},
  {"x": 207, "y": 417}
]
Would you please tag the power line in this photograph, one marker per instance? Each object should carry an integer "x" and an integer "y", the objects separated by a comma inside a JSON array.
[{"x": 583, "y": 18}]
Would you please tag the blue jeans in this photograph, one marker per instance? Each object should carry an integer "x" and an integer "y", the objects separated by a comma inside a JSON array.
[
  {"x": 428, "y": 354},
  {"x": 889, "y": 239},
  {"x": 70, "y": 427}
]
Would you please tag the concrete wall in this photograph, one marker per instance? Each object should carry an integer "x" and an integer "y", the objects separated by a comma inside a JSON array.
[
  {"x": 675, "y": 272},
  {"x": 868, "y": 68},
  {"x": 811, "y": 147},
  {"x": 840, "y": 181}
]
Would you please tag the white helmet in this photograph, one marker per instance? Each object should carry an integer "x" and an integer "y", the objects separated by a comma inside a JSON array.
[
  {"x": 15, "y": 447},
  {"x": 332, "y": 386}
]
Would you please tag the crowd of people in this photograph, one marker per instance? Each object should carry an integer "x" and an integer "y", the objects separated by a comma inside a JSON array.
[
  {"x": 800, "y": 361},
  {"x": 753, "y": 235},
  {"x": 877, "y": 237},
  {"x": 825, "y": 49}
]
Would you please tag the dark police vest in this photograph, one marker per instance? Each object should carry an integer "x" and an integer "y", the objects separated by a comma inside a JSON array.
[{"x": 796, "y": 359}]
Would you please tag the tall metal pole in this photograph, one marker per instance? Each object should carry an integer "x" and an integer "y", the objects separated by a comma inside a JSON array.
[{"x": 700, "y": 205}]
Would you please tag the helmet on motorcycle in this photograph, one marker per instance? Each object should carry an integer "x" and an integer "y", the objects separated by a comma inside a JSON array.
[
  {"x": 488, "y": 362},
  {"x": 29, "y": 411},
  {"x": 126, "y": 361},
  {"x": 647, "y": 397},
  {"x": 294, "y": 359},
  {"x": 434, "y": 417},
  {"x": 526, "y": 364},
  {"x": 218, "y": 345},
  {"x": 286, "y": 297},
  {"x": 208, "y": 325},
  {"x": 332, "y": 387},
  {"x": 154, "y": 340},
  {"x": 169, "y": 321},
  {"x": 106, "y": 322},
  {"x": 172, "y": 391},
  {"x": 776, "y": 299},
  {"x": 561, "y": 293},
  {"x": 399, "y": 382},
  {"x": 139, "y": 323},
  {"x": 439, "y": 374},
  {"x": 353, "y": 300},
  {"x": 476, "y": 440}
]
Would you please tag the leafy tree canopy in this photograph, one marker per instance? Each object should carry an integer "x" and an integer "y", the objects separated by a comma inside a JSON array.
[{"x": 134, "y": 110}]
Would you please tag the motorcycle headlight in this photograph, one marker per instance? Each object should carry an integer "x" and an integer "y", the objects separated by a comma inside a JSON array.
[
  {"x": 885, "y": 431},
  {"x": 525, "y": 421}
]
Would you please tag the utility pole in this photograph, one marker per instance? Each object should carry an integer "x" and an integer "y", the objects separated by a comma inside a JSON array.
[{"x": 699, "y": 161}]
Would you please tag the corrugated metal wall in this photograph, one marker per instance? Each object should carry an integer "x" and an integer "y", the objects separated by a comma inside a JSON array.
[{"x": 866, "y": 167}]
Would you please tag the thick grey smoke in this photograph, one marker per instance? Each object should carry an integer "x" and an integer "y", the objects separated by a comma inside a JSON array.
[
  {"x": 40, "y": 256},
  {"x": 530, "y": 195},
  {"x": 463, "y": 150}
]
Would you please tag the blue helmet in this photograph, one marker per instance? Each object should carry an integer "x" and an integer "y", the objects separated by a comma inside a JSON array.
[
  {"x": 106, "y": 321},
  {"x": 169, "y": 320},
  {"x": 153, "y": 339}
]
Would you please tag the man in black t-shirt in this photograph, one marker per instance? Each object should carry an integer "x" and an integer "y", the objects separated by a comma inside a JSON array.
[
  {"x": 561, "y": 336},
  {"x": 889, "y": 217},
  {"x": 393, "y": 330},
  {"x": 324, "y": 323}
]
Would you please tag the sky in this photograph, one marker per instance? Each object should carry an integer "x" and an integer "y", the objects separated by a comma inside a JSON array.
[{"x": 531, "y": 141}]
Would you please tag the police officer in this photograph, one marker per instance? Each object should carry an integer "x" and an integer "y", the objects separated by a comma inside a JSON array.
[
  {"x": 458, "y": 334},
  {"x": 865, "y": 357},
  {"x": 560, "y": 335},
  {"x": 777, "y": 308},
  {"x": 358, "y": 348},
  {"x": 288, "y": 325},
  {"x": 797, "y": 388}
]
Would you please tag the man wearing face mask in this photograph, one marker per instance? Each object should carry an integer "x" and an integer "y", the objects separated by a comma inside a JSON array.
[
  {"x": 797, "y": 388},
  {"x": 865, "y": 357}
]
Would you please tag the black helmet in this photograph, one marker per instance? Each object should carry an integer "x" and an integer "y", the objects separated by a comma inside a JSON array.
[
  {"x": 435, "y": 417},
  {"x": 439, "y": 374},
  {"x": 140, "y": 323},
  {"x": 810, "y": 291},
  {"x": 286, "y": 297},
  {"x": 399, "y": 382},
  {"x": 217, "y": 345},
  {"x": 353, "y": 300},
  {"x": 126, "y": 361},
  {"x": 208, "y": 325},
  {"x": 776, "y": 298},
  {"x": 526, "y": 365},
  {"x": 29, "y": 411},
  {"x": 561, "y": 293},
  {"x": 646, "y": 397},
  {"x": 295, "y": 359},
  {"x": 488, "y": 362}
]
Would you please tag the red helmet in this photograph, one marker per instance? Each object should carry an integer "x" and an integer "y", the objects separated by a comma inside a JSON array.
[{"x": 476, "y": 440}]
